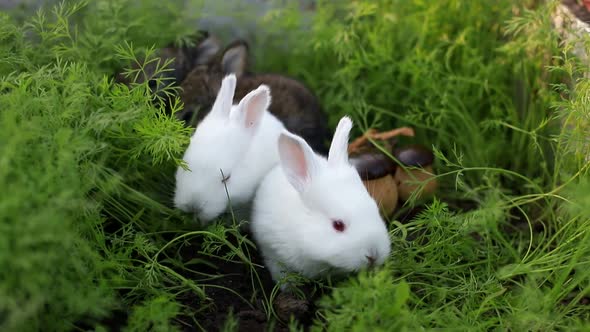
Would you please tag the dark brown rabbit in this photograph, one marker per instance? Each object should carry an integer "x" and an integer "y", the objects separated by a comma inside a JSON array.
[
  {"x": 291, "y": 102},
  {"x": 184, "y": 59}
]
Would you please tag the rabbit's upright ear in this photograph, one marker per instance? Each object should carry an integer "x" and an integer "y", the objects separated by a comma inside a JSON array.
[
  {"x": 235, "y": 58},
  {"x": 207, "y": 49},
  {"x": 225, "y": 97},
  {"x": 338, "y": 154},
  {"x": 297, "y": 160},
  {"x": 251, "y": 108}
]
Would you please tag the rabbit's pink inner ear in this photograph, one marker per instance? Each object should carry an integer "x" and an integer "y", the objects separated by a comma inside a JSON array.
[
  {"x": 256, "y": 106},
  {"x": 294, "y": 162}
]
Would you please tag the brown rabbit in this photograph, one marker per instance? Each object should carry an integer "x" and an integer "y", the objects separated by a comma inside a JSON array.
[
  {"x": 291, "y": 102},
  {"x": 184, "y": 59}
]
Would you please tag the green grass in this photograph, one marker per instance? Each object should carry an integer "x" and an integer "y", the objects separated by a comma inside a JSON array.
[{"x": 86, "y": 166}]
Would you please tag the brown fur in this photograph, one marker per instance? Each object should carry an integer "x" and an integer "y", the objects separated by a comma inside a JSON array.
[{"x": 291, "y": 101}]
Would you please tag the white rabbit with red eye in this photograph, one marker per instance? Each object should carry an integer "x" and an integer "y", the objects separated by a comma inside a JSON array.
[
  {"x": 314, "y": 216},
  {"x": 232, "y": 148}
]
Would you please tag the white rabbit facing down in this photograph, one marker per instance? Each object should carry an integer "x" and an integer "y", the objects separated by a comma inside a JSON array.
[
  {"x": 314, "y": 216},
  {"x": 233, "y": 147}
]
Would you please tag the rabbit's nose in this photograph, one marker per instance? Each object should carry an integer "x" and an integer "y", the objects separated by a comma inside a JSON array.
[{"x": 371, "y": 260}]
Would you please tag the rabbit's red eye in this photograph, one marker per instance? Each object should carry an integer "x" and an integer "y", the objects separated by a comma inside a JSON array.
[{"x": 338, "y": 225}]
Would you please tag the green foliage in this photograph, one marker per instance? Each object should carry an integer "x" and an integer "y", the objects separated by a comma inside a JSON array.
[
  {"x": 437, "y": 66},
  {"x": 380, "y": 306},
  {"x": 87, "y": 232},
  {"x": 231, "y": 323},
  {"x": 81, "y": 155},
  {"x": 153, "y": 315},
  {"x": 43, "y": 209}
]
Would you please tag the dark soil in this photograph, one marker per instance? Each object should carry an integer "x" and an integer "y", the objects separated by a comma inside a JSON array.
[
  {"x": 251, "y": 315},
  {"x": 233, "y": 278}
]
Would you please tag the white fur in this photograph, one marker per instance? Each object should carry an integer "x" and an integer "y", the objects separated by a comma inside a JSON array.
[
  {"x": 297, "y": 202},
  {"x": 239, "y": 140}
]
